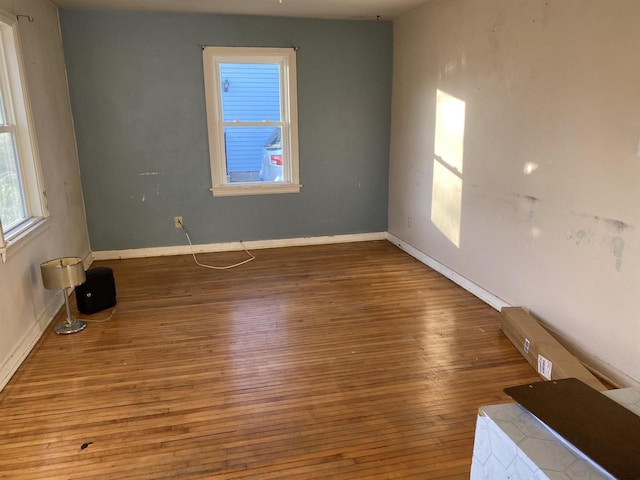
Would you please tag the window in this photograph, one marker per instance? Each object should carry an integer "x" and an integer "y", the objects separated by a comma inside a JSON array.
[
  {"x": 252, "y": 120},
  {"x": 21, "y": 195}
]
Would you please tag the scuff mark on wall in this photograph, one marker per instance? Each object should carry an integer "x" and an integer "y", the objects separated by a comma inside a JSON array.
[
  {"x": 546, "y": 15},
  {"x": 150, "y": 186},
  {"x": 580, "y": 236},
  {"x": 156, "y": 192},
  {"x": 617, "y": 247},
  {"x": 528, "y": 199},
  {"x": 614, "y": 224},
  {"x": 606, "y": 233},
  {"x": 528, "y": 205},
  {"x": 454, "y": 65},
  {"x": 617, "y": 225}
]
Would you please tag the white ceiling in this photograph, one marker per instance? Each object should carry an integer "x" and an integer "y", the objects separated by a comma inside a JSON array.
[{"x": 346, "y": 9}]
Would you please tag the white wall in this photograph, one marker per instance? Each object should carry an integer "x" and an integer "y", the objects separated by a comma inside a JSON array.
[
  {"x": 552, "y": 83},
  {"x": 26, "y": 306}
]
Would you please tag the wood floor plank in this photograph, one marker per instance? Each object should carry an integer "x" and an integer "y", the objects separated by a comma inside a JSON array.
[{"x": 332, "y": 361}]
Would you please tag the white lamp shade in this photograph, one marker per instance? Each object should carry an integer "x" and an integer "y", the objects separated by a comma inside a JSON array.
[{"x": 62, "y": 273}]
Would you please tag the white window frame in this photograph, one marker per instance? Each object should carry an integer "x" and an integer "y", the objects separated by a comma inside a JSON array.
[
  {"x": 286, "y": 58},
  {"x": 19, "y": 123}
]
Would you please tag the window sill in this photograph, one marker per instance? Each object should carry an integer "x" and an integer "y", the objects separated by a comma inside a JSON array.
[
  {"x": 20, "y": 236},
  {"x": 254, "y": 189}
]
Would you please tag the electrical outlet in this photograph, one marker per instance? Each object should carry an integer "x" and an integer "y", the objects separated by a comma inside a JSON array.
[
  {"x": 177, "y": 222},
  {"x": 409, "y": 222}
]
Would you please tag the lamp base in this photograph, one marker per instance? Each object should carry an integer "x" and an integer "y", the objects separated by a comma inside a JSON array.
[{"x": 70, "y": 327}]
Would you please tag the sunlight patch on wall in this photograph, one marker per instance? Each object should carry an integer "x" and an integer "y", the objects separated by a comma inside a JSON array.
[
  {"x": 446, "y": 199},
  {"x": 446, "y": 202},
  {"x": 530, "y": 167}
]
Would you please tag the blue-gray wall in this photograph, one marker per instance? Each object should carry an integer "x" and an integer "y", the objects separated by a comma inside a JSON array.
[{"x": 137, "y": 94}]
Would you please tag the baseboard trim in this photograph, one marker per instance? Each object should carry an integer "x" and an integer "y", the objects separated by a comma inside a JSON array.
[
  {"x": 23, "y": 349},
  {"x": 473, "y": 288},
  {"x": 234, "y": 246},
  {"x": 87, "y": 260},
  {"x": 595, "y": 364},
  {"x": 13, "y": 362}
]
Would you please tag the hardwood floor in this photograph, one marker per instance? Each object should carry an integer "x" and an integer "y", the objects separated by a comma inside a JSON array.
[{"x": 343, "y": 361}]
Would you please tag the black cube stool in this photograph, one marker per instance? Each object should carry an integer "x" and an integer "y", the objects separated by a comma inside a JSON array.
[{"x": 97, "y": 292}]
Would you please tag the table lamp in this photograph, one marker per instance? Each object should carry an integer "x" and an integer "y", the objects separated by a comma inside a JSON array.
[{"x": 64, "y": 273}]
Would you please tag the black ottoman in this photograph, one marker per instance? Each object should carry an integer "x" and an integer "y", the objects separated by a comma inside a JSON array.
[{"x": 97, "y": 292}]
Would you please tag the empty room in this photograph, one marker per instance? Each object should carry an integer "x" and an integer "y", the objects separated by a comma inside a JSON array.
[{"x": 271, "y": 239}]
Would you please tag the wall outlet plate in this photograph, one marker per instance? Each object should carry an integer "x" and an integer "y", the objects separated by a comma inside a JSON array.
[{"x": 177, "y": 222}]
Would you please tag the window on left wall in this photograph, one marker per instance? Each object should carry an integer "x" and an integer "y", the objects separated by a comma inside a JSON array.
[{"x": 22, "y": 198}]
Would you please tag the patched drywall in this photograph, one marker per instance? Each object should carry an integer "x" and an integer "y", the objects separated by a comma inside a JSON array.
[{"x": 549, "y": 195}]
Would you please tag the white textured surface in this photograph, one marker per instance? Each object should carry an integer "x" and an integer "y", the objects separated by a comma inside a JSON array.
[
  {"x": 27, "y": 307},
  {"x": 627, "y": 397},
  {"x": 538, "y": 238},
  {"x": 349, "y": 9},
  {"x": 510, "y": 443}
]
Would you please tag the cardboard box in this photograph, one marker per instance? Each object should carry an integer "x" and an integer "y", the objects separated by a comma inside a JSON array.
[{"x": 543, "y": 352}]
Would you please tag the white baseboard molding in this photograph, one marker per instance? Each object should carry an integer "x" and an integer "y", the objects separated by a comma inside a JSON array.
[
  {"x": 598, "y": 367},
  {"x": 29, "y": 340},
  {"x": 31, "y": 337},
  {"x": 607, "y": 372},
  {"x": 234, "y": 246},
  {"x": 87, "y": 260},
  {"x": 484, "y": 295}
]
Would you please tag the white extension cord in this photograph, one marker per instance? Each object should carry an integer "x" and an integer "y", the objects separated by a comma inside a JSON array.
[
  {"x": 204, "y": 265},
  {"x": 95, "y": 320}
]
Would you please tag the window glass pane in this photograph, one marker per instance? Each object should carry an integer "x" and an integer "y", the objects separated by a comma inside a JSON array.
[
  {"x": 254, "y": 154},
  {"x": 3, "y": 117},
  {"x": 12, "y": 204},
  {"x": 250, "y": 92}
]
